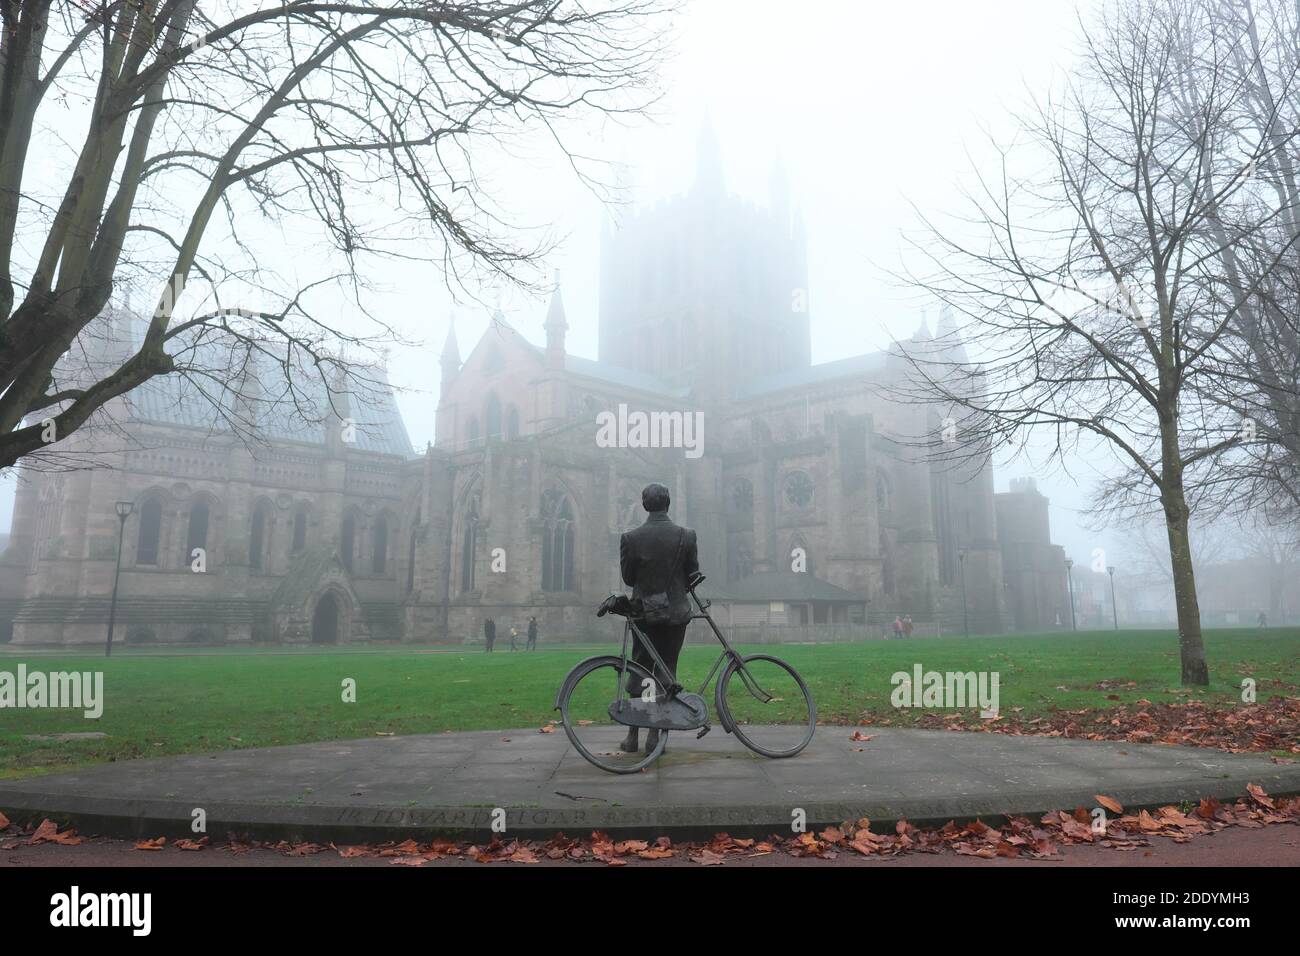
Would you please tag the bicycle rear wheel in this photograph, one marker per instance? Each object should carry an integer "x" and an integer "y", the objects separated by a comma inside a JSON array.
[
  {"x": 584, "y": 705},
  {"x": 765, "y": 703}
]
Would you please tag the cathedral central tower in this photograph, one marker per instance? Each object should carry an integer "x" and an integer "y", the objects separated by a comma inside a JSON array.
[{"x": 706, "y": 290}]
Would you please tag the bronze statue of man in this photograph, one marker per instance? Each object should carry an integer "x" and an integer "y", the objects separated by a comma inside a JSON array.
[{"x": 657, "y": 559}]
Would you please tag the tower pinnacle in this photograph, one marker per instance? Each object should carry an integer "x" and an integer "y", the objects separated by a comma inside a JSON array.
[
  {"x": 449, "y": 363},
  {"x": 708, "y": 159}
]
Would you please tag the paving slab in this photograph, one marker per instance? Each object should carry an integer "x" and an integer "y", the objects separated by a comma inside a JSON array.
[{"x": 386, "y": 788}]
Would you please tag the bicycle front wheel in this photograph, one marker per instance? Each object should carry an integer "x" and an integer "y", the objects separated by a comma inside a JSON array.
[
  {"x": 765, "y": 703},
  {"x": 584, "y": 709}
]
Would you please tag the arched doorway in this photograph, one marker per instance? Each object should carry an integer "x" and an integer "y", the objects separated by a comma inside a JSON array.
[{"x": 325, "y": 621}]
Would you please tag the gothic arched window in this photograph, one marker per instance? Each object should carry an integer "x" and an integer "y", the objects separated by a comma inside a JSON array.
[
  {"x": 196, "y": 535},
  {"x": 799, "y": 490},
  {"x": 410, "y": 554},
  {"x": 469, "y": 542},
  {"x": 48, "y": 517},
  {"x": 146, "y": 545},
  {"x": 741, "y": 564},
  {"x": 512, "y": 423},
  {"x": 299, "y": 530},
  {"x": 471, "y": 431},
  {"x": 347, "y": 540},
  {"x": 742, "y": 496},
  {"x": 882, "y": 493},
  {"x": 492, "y": 415},
  {"x": 887, "y": 576},
  {"x": 258, "y": 533},
  {"x": 557, "y": 541},
  {"x": 379, "y": 545},
  {"x": 630, "y": 514}
]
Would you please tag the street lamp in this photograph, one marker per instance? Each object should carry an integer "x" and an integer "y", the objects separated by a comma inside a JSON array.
[
  {"x": 124, "y": 509},
  {"x": 1113, "y": 609},
  {"x": 961, "y": 570},
  {"x": 1070, "y": 585}
]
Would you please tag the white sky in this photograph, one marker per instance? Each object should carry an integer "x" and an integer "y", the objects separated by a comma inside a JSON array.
[{"x": 872, "y": 108}]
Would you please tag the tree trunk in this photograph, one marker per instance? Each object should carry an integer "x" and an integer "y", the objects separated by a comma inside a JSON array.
[{"x": 1191, "y": 647}]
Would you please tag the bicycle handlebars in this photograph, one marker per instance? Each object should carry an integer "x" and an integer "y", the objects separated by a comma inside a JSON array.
[{"x": 626, "y": 606}]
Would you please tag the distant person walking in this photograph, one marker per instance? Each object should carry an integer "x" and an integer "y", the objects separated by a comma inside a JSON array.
[
  {"x": 907, "y": 626},
  {"x": 1263, "y": 620},
  {"x": 898, "y": 626},
  {"x": 514, "y": 637},
  {"x": 532, "y": 635},
  {"x": 489, "y": 633}
]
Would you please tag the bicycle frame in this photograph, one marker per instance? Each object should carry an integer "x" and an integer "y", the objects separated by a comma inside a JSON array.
[
  {"x": 677, "y": 709},
  {"x": 728, "y": 652}
]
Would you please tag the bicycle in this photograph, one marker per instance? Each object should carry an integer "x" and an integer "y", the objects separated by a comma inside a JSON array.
[{"x": 771, "y": 690}]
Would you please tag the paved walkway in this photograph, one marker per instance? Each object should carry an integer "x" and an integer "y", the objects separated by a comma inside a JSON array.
[{"x": 397, "y": 787}]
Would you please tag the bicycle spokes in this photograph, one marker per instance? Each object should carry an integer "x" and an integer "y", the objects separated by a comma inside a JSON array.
[
  {"x": 766, "y": 705},
  {"x": 752, "y": 685},
  {"x": 590, "y": 710}
]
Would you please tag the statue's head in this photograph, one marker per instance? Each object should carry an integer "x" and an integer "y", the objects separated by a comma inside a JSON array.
[{"x": 655, "y": 498}]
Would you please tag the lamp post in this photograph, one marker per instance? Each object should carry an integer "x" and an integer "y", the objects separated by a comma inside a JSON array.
[
  {"x": 1070, "y": 586},
  {"x": 961, "y": 571},
  {"x": 1113, "y": 609},
  {"x": 124, "y": 509}
]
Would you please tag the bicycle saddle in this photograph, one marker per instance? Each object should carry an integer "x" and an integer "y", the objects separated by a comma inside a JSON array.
[{"x": 620, "y": 604}]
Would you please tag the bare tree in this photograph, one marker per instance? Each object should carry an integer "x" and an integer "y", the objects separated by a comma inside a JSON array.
[
  {"x": 1147, "y": 549},
  {"x": 1274, "y": 549},
  {"x": 1086, "y": 278},
  {"x": 1258, "y": 277},
  {"x": 1230, "y": 545},
  {"x": 208, "y": 125}
]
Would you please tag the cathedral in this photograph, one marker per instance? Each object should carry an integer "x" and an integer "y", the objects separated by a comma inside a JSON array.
[{"x": 811, "y": 510}]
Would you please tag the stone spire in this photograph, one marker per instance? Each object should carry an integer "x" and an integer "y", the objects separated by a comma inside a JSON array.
[
  {"x": 949, "y": 338},
  {"x": 450, "y": 360},
  {"x": 708, "y": 159},
  {"x": 499, "y": 322},
  {"x": 922, "y": 333}
]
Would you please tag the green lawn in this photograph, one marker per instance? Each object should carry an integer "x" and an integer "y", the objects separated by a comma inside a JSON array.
[{"x": 160, "y": 703}]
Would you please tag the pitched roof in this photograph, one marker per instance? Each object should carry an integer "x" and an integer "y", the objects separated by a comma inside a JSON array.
[
  {"x": 176, "y": 400},
  {"x": 173, "y": 400},
  {"x": 780, "y": 586},
  {"x": 854, "y": 367},
  {"x": 641, "y": 381},
  {"x": 629, "y": 378}
]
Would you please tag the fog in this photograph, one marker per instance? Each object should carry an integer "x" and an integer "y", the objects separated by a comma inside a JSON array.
[{"x": 874, "y": 111}]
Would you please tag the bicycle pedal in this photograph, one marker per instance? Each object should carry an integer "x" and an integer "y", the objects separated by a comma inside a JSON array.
[{"x": 703, "y": 730}]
